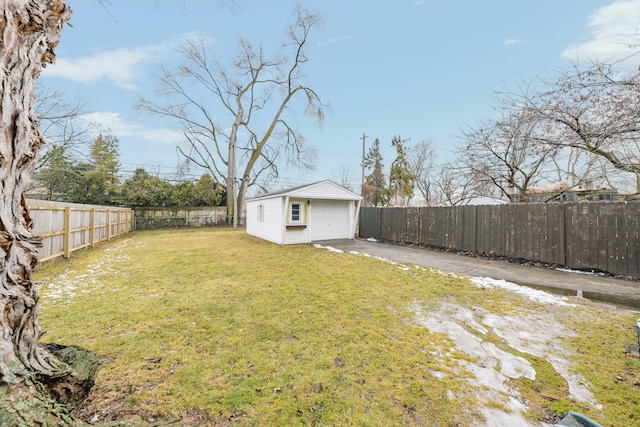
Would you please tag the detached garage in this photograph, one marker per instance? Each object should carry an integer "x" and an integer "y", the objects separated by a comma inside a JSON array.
[{"x": 320, "y": 211}]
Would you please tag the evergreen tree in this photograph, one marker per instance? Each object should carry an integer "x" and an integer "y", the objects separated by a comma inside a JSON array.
[
  {"x": 142, "y": 189},
  {"x": 401, "y": 177},
  {"x": 99, "y": 181},
  {"x": 209, "y": 192},
  {"x": 54, "y": 180},
  {"x": 375, "y": 191},
  {"x": 183, "y": 194}
]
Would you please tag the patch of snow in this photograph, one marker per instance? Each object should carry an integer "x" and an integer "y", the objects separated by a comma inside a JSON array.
[
  {"x": 371, "y": 239},
  {"x": 66, "y": 285},
  {"x": 490, "y": 366},
  {"x": 538, "y": 334},
  {"x": 533, "y": 294},
  {"x": 590, "y": 273},
  {"x": 542, "y": 339},
  {"x": 329, "y": 248}
]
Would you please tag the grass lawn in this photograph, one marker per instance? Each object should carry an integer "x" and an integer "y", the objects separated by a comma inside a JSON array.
[{"x": 211, "y": 327}]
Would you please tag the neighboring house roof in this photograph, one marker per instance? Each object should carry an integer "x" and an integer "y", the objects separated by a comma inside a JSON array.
[
  {"x": 483, "y": 200},
  {"x": 317, "y": 190}
]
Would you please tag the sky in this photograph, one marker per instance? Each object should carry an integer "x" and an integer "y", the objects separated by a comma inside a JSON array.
[{"x": 418, "y": 69}]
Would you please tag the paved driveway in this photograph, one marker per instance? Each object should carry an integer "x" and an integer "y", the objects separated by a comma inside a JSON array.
[{"x": 591, "y": 286}]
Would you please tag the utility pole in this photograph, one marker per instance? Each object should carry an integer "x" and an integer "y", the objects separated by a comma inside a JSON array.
[{"x": 362, "y": 184}]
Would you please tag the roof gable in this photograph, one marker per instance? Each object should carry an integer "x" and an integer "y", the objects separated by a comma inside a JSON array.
[{"x": 326, "y": 189}]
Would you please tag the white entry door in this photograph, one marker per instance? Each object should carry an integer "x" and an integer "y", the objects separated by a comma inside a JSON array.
[{"x": 329, "y": 219}]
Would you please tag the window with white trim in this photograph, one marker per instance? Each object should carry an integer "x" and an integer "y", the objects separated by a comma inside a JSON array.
[
  {"x": 260, "y": 213},
  {"x": 296, "y": 212}
]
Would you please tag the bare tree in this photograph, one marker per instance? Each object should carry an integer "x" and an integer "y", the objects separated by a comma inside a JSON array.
[
  {"x": 422, "y": 157},
  {"x": 507, "y": 152},
  {"x": 453, "y": 185},
  {"x": 68, "y": 138},
  {"x": 61, "y": 124},
  {"x": 597, "y": 111},
  {"x": 343, "y": 177},
  {"x": 247, "y": 126}
]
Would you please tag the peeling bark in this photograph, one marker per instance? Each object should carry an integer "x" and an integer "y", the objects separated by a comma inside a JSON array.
[{"x": 29, "y": 31}]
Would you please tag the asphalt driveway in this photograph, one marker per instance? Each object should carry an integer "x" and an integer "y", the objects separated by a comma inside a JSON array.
[{"x": 590, "y": 286}]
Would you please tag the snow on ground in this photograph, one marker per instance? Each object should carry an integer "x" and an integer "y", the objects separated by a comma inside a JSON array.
[
  {"x": 67, "y": 284},
  {"x": 329, "y": 248},
  {"x": 590, "y": 273},
  {"x": 538, "y": 333},
  {"x": 532, "y": 294},
  {"x": 490, "y": 367}
]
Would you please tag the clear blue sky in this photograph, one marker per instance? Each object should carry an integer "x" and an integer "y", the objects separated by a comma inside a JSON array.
[{"x": 421, "y": 69}]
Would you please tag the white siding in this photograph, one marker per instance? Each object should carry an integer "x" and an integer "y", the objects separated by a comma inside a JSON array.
[
  {"x": 330, "y": 219},
  {"x": 270, "y": 228},
  {"x": 324, "y": 190},
  {"x": 300, "y": 235}
]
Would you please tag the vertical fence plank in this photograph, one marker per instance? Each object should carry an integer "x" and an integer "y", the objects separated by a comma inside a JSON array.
[
  {"x": 497, "y": 241},
  {"x": 108, "y": 225},
  {"x": 632, "y": 220},
  {"x": 570, "y": 225},
  {"x": 413, "y": 225},
  {"x": 611, "y": 225},
  {"x": 468, "y": 228},
  {"x": 481, "y": 246},
  {"x": 562, "y": 236},
  {"x": 67, "y": 233},
  {"x": 92, "y": 228}
]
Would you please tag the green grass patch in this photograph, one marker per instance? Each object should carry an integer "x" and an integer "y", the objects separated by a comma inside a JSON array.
[{"x": 215, "y": 324}]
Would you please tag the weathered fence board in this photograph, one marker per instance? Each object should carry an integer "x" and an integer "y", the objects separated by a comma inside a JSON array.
[
  {"x": 632, "y": 225},
  {"x": 603, "y": 236},
  {"x": 67, "y": 227}
]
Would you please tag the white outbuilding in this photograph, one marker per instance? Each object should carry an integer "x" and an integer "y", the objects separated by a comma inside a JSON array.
[{"x": 309, "y": 213}]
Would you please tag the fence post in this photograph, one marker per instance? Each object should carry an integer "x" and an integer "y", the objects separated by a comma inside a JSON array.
[
  {"x": 563, "y": 235},
  {"x": 67, "y": 233},
  {"x": 92, "y": 228},
  {"x": 118, "y": 219},
  {"x": 108, "y": 225}
]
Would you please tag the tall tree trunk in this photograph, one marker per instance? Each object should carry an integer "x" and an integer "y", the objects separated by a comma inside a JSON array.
[{"x": 30, "y": 32}]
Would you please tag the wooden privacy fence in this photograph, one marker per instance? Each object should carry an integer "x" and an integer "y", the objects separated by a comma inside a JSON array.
[
  {"x": 601, "y": 236},
  {"x": 67, "y": 227}
]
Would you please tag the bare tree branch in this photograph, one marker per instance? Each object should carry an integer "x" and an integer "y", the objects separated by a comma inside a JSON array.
[{"x": 252, "y": 97}]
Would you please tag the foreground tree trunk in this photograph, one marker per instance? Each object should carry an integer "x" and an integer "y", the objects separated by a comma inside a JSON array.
[{"x": 30, "y": 32}]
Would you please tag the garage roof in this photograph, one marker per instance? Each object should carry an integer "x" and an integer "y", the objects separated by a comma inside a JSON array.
[{"x": 326, "y": 189}]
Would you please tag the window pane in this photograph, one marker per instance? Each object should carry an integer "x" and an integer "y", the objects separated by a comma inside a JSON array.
[{"x": 295, "y": 212}]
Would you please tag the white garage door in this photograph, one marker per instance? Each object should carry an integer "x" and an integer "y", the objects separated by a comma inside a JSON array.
[{"x": 329, "y": 219}]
